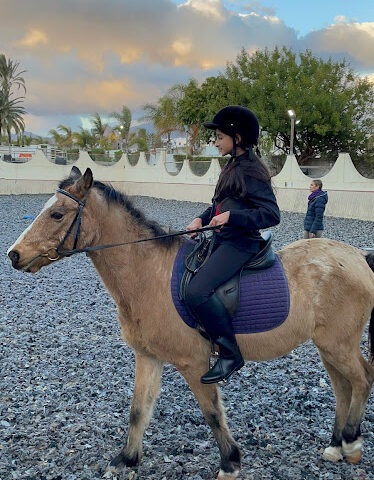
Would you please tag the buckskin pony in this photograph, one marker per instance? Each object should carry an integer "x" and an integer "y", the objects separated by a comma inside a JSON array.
[{"x": 331, "y": 287}]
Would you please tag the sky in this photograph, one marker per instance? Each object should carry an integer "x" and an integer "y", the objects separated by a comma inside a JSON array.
[{"x": 87, "y": 56}]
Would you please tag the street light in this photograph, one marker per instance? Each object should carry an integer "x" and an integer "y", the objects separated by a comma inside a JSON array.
[
  {"x": 294, "y": 122},
  {"x": 121, "y": 128},
  {"x": 292, "y": 115},
  {"x": 186, "y": 156}
]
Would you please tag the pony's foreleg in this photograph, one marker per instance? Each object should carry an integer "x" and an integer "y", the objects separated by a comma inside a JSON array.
[
  {"x": 343, "y": 391},
  {"x": 147, "y": 389},
  {"x": 209, "y": 399}
]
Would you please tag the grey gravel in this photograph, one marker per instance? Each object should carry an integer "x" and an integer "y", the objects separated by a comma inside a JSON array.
[{"x": 67, "y": 379}]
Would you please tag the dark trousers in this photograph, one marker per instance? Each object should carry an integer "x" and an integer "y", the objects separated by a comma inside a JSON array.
[{"x": 223, "y": 263}]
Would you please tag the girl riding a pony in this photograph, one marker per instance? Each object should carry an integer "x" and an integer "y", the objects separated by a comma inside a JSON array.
[{"x": 243, "y": 203}]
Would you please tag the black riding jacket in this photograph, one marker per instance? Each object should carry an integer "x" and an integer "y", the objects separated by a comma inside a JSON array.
[{"x": 258, "y": 210}]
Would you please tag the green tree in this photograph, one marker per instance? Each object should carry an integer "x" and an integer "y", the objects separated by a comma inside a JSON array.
[
  {"x": 84, "y": 139},
  {"x": 139, "y": 138},
  {"x": 10, "y": 76},
  {"x": 38, "y": 140},
  {"x": 333, "y": 104},
  {"x": 199, "y": 104},
  {"x": 57, "y": 138},
  {"x": 164, "y": 114},
  {"x": 62, "y": 136},
  {"x": 99, "y": 129},
  {"x": 123, "y": 127},
  {"x": 67, "y": 135},
  {"x": 11, "y": 116},
  {"x": 11, "y": 112}
]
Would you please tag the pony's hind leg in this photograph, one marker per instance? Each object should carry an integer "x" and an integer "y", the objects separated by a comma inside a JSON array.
[
  {"x": 355, "y": 369},
  {"x": 343, "y": 392},
  {"x": 209, "y": 399},
  {"x": 146, "y": 391}
]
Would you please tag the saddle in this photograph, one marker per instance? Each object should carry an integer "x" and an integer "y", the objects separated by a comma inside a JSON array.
[{"x": 228, "y": 292}]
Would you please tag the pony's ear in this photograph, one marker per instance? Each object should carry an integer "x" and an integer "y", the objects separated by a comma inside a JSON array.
[
  {"x": 85, "y": 182},
  {"x": 75, "y": 173}
]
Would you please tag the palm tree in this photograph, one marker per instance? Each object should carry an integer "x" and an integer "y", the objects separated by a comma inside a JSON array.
[
  {"x": 62, "y": 136},
  {"x": 67, "y": 135},
  {"x": 163, "y": 115},
  {"x": 10, "y": 110},
  {"x": 98, "y": 128},
  {"x": 38, "y": 140},
  {"x": 57, "y": 137},
  {"x": 123, "y": 128},
  {"x": 139, "y": 138},
  {"x": 11, "y": 115},
  {"x": 10, "y": 76},
  {"x": 84, "y": 139}
]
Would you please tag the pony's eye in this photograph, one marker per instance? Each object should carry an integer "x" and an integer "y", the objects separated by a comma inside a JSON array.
[{"x": 57, "y": 215}]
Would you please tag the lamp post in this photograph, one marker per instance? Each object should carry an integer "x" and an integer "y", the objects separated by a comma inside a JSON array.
[
  {"x": 292, "y": 116},
  {"x": 121, "y": 143}
]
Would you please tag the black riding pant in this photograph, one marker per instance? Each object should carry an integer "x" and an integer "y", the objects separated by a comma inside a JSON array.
[{"x": 223, "y": 263}]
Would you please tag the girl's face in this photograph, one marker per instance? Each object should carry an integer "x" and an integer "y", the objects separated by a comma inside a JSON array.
[
  {"x": 313, "y": 187},
  {"x": 224, "y": 143}
]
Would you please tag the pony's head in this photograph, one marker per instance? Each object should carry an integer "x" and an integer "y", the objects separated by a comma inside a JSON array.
[{"x": 57, "y": 227}]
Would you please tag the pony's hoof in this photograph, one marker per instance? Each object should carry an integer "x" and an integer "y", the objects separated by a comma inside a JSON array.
[
  {"x": 333, "y": 454},
  {"x": 353, "y": 451},
  {"x": 228, "y": 476}
]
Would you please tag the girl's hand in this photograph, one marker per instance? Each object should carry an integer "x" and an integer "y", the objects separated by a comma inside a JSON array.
[
  {"x": 220, "y": 220},
  {"x": 194, "y": 225}
]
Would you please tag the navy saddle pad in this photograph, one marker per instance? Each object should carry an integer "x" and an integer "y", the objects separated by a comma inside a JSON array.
[{"x": 264, "y": 301}]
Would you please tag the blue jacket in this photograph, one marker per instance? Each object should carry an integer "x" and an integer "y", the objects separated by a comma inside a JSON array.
[{"x": 314, "y": 215}]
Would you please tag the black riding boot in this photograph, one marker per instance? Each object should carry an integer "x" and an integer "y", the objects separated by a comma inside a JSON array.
[{"x": 217, "y": 322}]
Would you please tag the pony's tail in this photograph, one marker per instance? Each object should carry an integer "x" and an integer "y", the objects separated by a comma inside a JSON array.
[{"x": 370, "y": 260}]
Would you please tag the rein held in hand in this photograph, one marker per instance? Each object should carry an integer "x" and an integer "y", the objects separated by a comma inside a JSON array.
[{"x": 77, "y": 223}]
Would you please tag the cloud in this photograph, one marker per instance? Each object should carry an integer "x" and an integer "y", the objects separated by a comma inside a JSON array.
[
  {"x": 354, "y": 41},
  {"x": 32, "y": 38},
  {"x": 83, "y": 56},
  {"x": 209, "y": 8},
  {"x": 77, "y": 97},
  {"x": 257, "y": 7},
  {"x": 196, "y": 33},
  {"x": 340, "y": 19}
]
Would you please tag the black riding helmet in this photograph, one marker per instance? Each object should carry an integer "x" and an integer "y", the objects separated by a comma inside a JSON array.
[{"x": 234, "y": 120}]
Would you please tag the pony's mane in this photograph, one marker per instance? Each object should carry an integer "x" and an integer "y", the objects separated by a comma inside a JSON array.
[{"x": 112, "y": 195}]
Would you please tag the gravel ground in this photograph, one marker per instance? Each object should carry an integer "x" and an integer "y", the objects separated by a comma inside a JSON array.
[{"x": 67, "y": 379}]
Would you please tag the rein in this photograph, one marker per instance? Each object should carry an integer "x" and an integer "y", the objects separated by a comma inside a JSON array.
[{"x": 77, "y": 223}]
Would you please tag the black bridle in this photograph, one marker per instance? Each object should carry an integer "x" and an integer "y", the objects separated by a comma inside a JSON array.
[{"x": 77, "y": 224}]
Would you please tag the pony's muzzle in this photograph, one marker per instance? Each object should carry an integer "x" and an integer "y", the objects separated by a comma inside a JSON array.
[{"x": 14, "y": 258}]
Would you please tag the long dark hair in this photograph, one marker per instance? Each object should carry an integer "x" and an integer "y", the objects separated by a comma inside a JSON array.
[{"x": 231, "y": 181}]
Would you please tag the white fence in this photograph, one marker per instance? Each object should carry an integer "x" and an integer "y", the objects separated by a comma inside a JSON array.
[{"x": 350, "y": 194}]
